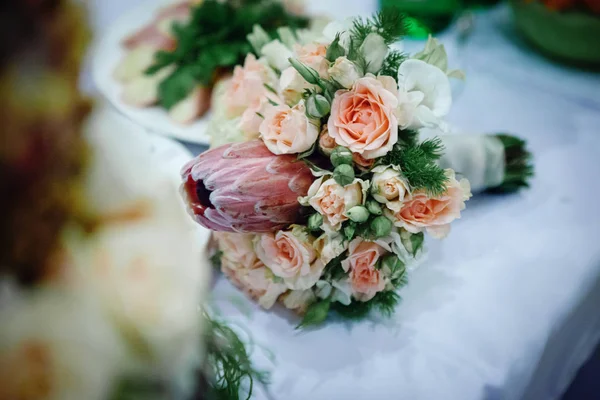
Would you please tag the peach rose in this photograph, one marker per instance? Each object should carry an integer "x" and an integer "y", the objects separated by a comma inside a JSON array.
[
  {"x": 288, "y": 130},
  {"x": 365, "y": 279},
  {"x": 251, "y": 120},
  {"x": 290, "y": 256},
  {"x": 247, "y": 85},
  {"x": 363, "y": 118},
  {"x": 257, "y": 283},
  {"x": 326, "y": 142},
  {"x": 434, "y": 214},
  {"x": 333, "y": 201},
  {"x": 362, "y": 162},
  {"x": 238, "y": 250},
  {"x": 313, "y": 55}
]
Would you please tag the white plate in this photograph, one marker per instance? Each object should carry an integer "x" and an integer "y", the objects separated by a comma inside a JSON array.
[{"x": 108, "y": 52}]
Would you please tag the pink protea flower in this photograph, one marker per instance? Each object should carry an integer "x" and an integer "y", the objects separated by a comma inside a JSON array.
[{"x": 243, "y": 187}]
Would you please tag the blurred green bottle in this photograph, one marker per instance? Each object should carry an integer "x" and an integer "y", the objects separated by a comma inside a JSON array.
[{"x": 431, "y": 16}]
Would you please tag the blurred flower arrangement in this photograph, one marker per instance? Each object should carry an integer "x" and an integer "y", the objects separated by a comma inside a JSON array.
[
  {"x": 176, "y": 59},
  {"x": 325, "y": 203},
  {"x": 101, "y": 284}
]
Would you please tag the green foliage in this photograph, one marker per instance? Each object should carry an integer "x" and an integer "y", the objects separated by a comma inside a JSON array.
[
  {"x": 132, "y": 388},
  {"x": 392, "y": 63},
  {"x": 316, "y": 314},
  {"x": 333, "y": 270},
  {"x": 388, "y": 23},
  {"x": 229, "y": 363},
  {"x": 383, "y": 302},
  {"x": 215, "y": 259},
  {"x": 408, "y": 137},
  {"x": 215, "y": 39},
  {"x": 416, "y": 241},
  {"x": 519, "y": 167},
  {"x": 418, "y": 164}
]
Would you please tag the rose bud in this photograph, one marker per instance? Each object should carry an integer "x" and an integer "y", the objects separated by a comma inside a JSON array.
[
  {"x": 374, "y": 207},
  {"x": 341, "y": 155},
  {"x": 326, "y": 142},
  {"x": 317, "y": 106},
  {"x": 243, "y": 187},
  {"x": 358, "y": 214},
  {"x": 381, "y": 226},
  {"x": 343, "y": 174}
]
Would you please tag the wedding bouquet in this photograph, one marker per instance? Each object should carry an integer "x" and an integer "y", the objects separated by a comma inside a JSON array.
[
  {"x": 176, "y": 59},
  {"x": 326, "y": 204}
]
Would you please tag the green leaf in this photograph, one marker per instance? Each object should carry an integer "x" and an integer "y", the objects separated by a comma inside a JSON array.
[
  {"x": 315, "y": 314},
  {"x": 349, "y": 230},
  {"x": 270, "y": 88},
  {"x": 215, "y": 259},
  {"x": 176, "y": 87},
  {"x": 228, "y": 360},
  {"x": 386, "y": 302},
  {"x": 416, "y": 241}
]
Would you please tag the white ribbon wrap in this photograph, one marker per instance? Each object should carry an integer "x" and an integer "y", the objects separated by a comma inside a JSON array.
[{"x": 479, "y": 158}]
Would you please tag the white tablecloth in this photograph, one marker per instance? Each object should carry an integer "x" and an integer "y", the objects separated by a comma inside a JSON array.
[{"x": 506, "y": 307}]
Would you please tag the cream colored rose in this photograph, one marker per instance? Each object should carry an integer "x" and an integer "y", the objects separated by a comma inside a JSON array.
[
  {"x": 290, "y": 256},
  {"x": 433, "y": 214},
  {"x": 253, "y": 116},
  {"x": 238, "y": 250},
  {"x": 389, "y": 187},
  {"x": 299, "y": 300},
  {"x": 247, "y": 84},
  {"x": 292, "y": 85},
  {"x": 258, "y": 284},
  {"x": 345, "y": 72},
  {"x": 363, "y": 118},
  {"x": 329, "y": 246},
  {"x": 374, "y": 50},
  {"x": 365, "y": 279},
  {"x": 288, "y": 130},
  {"x": 333, "y": 201},
  {"x": 313, "y": 55},
  {"x": 277, "y": 54}
]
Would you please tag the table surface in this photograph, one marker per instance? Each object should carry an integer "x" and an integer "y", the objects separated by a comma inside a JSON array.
[{"x": 506, "y": 306}]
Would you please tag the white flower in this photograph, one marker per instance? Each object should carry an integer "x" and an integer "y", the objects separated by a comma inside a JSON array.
[
  {"x": 277, "y": 54},
  {"x": 434, "y": 53},
  {"x": 288, "y": 130},
  {"x": 345, "y": 72},
  {"x": 389, "y": 186},
  {"x": 424, "y": 94},
  {"x": 291, "y": 257},
  {"x": 299, "y": 299},
  {"x": 374, "y": 50},
  {"x": 330, "y": 245},
  {"x": 333, "y": 201},
  {"x": 57, "y": 345},
  {"x": 340, "y": 291},
  {"x": 238, "y": 250},
  {"x": 292, "y": 85},
  {"x": 259, "y": 283},
  {"x": 343, "y": 28}
]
